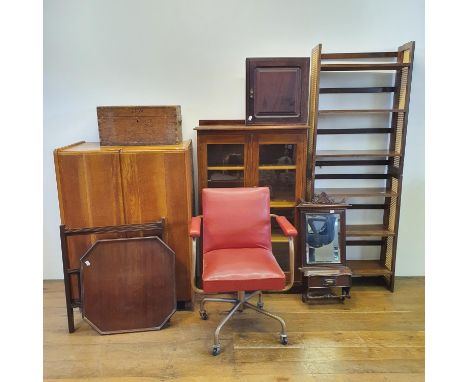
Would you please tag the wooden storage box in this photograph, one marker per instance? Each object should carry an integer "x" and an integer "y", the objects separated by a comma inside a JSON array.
[{"x": 139, "y": 125}]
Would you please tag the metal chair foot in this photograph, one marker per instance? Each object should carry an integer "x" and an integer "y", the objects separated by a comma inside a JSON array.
[
  {"x": 216, "y": 350},
  {"x": 284, "y": 339},
  {"x": 260, "y": 305},
  {"x": 203, "y": 315}
]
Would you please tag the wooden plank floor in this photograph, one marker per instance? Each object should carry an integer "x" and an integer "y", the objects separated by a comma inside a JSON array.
[{"x": 375, "y": 336}]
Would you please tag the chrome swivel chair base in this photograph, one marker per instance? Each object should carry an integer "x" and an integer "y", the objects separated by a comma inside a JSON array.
[{"x": 239, "y": 304}]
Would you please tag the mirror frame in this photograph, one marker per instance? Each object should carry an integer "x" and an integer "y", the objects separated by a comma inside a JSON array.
[{"x": 338, "y": 209}]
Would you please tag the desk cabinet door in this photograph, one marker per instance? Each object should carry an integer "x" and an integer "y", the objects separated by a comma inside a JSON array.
[
  {"x": 90, "y": 195},
  {"x": 158, "y": 184}
]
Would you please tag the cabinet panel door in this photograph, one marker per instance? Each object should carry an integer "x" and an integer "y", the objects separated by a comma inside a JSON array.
[
  {"x": 90, "y": 195},
  {"x": 277, "y": 90},
  {"x": 158, "y": 184}
]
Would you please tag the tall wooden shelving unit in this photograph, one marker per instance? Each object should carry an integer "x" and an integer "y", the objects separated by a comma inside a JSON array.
[{"x": 385, "y": 234}]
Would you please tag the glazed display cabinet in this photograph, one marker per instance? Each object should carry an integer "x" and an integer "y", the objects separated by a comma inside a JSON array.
[{"x": 231, "y": 154}]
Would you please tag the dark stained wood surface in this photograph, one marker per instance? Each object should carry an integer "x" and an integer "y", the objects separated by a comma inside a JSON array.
[
  {"x": 368, "y": 268},
  {"x": 369, "y": 130},
  {"x": 222, "y": 126},
  {"x": 356, "y": 192},
  {"x": 357, "y": 111},
  {"x": 277, "y": 90},
  {"x": 355, "y": 153},
  {"x": 368, "y": 230},
  {"x": 361, "y": 66},
  {"x": 150, "y": 229},
  {"x": 380, "y": 89},
  {"x": 128, "y": 285},
  {"x": 352, "y": 55}
]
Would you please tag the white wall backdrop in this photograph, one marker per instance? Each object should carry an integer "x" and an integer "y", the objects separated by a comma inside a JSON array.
[{"x": 192, "y": 53}]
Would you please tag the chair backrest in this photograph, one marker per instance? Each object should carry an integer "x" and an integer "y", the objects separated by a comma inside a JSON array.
[{"x": 236, "y": 218}]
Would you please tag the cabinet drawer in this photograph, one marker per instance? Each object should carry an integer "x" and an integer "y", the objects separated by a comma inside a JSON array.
[{"x": 329, "y": 281}]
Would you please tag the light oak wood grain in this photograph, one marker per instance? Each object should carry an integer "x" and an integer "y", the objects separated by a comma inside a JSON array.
[{"x": 375, "y": 336}]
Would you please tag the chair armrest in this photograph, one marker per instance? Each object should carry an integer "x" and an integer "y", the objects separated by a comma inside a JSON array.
[
  {"x": 287, "y": 228},
  {"x": 195, "y": 226}
]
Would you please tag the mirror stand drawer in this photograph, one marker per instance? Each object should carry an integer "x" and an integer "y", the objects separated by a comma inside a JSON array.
[{"x": 329, "y": 281}]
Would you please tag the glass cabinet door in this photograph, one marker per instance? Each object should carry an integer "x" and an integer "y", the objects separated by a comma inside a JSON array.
[
  {"x": 277, "y": 170},
  {"x": 226, "y": 165}
]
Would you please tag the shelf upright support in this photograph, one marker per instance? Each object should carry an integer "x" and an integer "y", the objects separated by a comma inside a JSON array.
[
  {"x": 399, "y": 124},
  {"x": 314, "y": 90}
]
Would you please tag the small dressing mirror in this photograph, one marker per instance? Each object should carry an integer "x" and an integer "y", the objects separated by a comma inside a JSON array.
[
  {"x": 322, "y": 244},
  {"x": 322, "y": 233}
]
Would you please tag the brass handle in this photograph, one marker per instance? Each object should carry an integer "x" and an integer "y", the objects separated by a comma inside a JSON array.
[{"x": 329, "y": 281}]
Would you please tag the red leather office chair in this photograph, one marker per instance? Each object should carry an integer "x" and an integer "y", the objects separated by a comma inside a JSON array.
[{"x": 237, "y": 254}]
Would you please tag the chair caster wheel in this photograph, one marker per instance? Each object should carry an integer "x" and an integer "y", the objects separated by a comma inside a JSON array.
[
  {"x": 203, "y": 315},
  {"x": 260, "y": 305},
  {"x": 283, "y": 339},
  {"x": 216, "y": 350}
]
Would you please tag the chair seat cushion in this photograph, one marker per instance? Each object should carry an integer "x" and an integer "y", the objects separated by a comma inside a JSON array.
[{"x": 241, "y": 269}]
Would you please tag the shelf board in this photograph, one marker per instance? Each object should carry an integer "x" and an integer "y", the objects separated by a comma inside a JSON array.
[
  {"x": 239, "y": 125},
  {"x": 356, "y": 111},
  {"x": 370, "y": 130},
  {"x": 374, "y": 230},
  {"x": 357, "y": 192},
  {"x": 367, "y": 268},
  {"x": 223, "y": 168},
  {"x": 379, "y": 89},
  {"x": 278, "y": 238},
  {"x": 277, "y": 167},
  {"x": 282, "y": 204},
  {"x": 354, "y": 153},
  {"x": 346, "y": 67},
  {"x": 352, "y": 55}
]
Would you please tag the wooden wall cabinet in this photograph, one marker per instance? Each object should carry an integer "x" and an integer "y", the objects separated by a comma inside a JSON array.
[
  {"x": 114, "y": 185},
  {"x": 277, "y": 90},
  {"x": 231, "y": 154}
]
